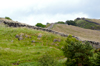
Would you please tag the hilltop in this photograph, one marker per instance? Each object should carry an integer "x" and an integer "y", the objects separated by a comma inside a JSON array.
[{"x": 87, "y": 23}]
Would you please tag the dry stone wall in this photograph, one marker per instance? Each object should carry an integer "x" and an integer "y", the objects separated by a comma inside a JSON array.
[
  {"x": 88, "y": 21},
  {"x": 17, "y": 24}
]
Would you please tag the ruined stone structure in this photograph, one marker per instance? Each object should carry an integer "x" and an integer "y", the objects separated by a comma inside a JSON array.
[{"x": 17, "y": 24}]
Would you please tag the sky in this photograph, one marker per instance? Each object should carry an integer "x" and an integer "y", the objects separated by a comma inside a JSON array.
[{"x": 48, "y": 11}]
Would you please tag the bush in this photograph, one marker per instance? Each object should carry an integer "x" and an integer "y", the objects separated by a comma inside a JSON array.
[
  {"x": 98, "y": 59},
  {"x": 77, "y": 53},
  {"x": 8, "y": 18},
  {"x": 29, "y": 64},
  {"x": 40, "y": 25},
  {"x": 47, "y": 60},
  {"x": 4, "y": 63},
  {"x": 71, "y": 22},
  {"x": 60, "y": 22}
]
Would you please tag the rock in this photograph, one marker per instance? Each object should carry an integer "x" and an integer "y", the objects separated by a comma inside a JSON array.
[
  {"x": 40, "y": 35},
  {"x": 21, "y": 34},
  {"x": 56, "y": 44},
  {"x": 20, "y": 38},
  {"x": 17, "y": 36},
  {"x": 26, "y": 36},
  {"x": 33, "y": 41},
  {"x": 56, "y": 40},
  {"x": 11, "y": 40}
]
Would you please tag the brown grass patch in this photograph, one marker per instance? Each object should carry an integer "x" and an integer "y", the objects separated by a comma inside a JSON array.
[
  {"x": 95, "y": 20},
  {"x": 84, "y": 34}
]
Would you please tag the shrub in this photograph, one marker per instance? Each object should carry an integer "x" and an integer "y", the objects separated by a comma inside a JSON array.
[
  {"x": 4, "y": 63},
  {"x": 77, "y": 53},
  {"x": 29, "y": 64},
  {"x": 98, "y": 59},
  {"x": 71, "y": 22},
  {"x": 60, "y": 22},
  {"x": 40, "y": 25},
  {"x": 47, "y": 60},
  {"x": 8, "y": 18}
]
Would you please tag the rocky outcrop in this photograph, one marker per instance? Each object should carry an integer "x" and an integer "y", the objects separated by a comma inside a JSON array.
[{"x": 17, "y": 24}]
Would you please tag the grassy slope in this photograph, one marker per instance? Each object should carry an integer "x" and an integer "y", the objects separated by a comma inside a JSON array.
[
  {"x": 14, "y": 51},
  {"x": 84, "y": 34},
  {"x": 95, "y": 20},
  {"x": 87, "y": 25}
]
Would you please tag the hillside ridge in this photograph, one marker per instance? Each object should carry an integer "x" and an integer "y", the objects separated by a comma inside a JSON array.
[
  {"x": 17, "y": 24},
  {"x": 87, "y": 20}
]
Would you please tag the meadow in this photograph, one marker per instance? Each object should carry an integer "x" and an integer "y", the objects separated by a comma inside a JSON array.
[{"x": 30, "y": 48}]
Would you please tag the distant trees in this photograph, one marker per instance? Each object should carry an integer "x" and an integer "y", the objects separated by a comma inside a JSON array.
[
  {"x": 8, "y": 18},
  {"x": 40, "y": 25},
  {"x": 60, "y": 22},
  {"x": 71, "y": 22}
]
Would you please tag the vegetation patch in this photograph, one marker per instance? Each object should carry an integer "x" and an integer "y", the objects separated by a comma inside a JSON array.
[
  {"x": 34, "y": 44},
  {"x": 87, "y": 25}
]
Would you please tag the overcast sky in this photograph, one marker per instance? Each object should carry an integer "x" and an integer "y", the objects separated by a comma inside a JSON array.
[{"x": 43, "y": 11}]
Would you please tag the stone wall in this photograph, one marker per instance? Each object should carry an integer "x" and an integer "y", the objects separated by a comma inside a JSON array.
[
  {"x": 17, "y": 24},
  {"x": 88, "y": 21}
]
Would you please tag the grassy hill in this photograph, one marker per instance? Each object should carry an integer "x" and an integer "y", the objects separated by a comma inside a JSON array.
[
  {"x": 94, "y": 20},
  {"x": 85, "y": 24},
  {"x": 84, "y": 34},
  {"x": 24, "y": 45}
]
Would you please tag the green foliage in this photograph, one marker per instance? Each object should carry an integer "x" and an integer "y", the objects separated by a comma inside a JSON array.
[
  {"x": 98, "y": 59},
  {"x": 40, "y": 25},
  {"x": 29, "y": 64},
  {"x": 60, "y": 22},
  {"x": 4, "y": 63},
  {"x": 71, "y": 22},
  {"x": 87, "y": 25},
  {"x": 8, "y": 18},
  {"x": 25, "y": 51},
  {"x": 47, "y": 60},
  {"x": 77, "y": 53}
]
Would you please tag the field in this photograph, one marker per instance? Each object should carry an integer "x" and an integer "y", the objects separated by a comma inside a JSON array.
[
  {"x": 30, "y": 47},
  {"x": 84, "y": 34}
]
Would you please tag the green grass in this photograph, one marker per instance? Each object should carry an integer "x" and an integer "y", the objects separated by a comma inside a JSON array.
[
  {"x": 87, "y": 25},
  {"x": 17, "y": 52}
]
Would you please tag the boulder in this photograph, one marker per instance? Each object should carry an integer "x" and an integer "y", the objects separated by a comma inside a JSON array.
[
  {"x": 33, "y": 41},
  {"x": 20, "y": 38},
  {"x": 17, "y": 36}
]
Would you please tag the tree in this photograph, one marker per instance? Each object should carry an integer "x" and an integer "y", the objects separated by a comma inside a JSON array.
[
  {"x": 71, "y": 22},
  {"x": 40, "y": 25},
  {"x": 77, "y": 53},
  {"x": 8, "y": 18},
  {"x": 60, "y": 22},
  {"x": 98, "y": 59}
]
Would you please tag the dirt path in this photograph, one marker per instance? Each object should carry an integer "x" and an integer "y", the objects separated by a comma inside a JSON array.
[{"x": 51, "y": 26}]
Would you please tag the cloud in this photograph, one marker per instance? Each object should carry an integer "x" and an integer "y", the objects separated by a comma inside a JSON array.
[
  {"x": 44, "y": 18},
  {"x": 34, "y": 11}
]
